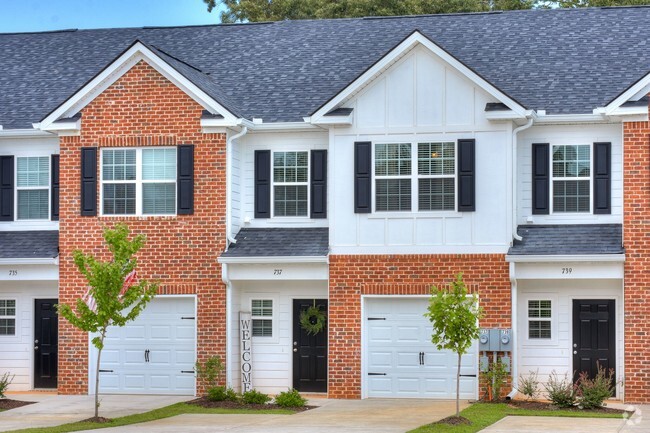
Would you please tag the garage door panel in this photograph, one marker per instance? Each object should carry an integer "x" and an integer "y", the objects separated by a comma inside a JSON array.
[
  {"x": 133, "y": 357},
  {"x": 161, "y": 332},
  {"x": 395, "y": 339},
  {"x": 185, "y": 333}
]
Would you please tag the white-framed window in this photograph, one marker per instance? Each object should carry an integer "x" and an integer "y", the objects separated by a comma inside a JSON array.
[
  {"x": 33, "y": 187},
  {"x": 539, "y": 319},
  {"x": 262, "y": 317},
  {"x": 434, "y": 178},
  {"x": 291, "y": 184},
  {"x": 139, "y": 181},
  {"x": 7, "y": 317},
  {"x": 571, "y": 183}
]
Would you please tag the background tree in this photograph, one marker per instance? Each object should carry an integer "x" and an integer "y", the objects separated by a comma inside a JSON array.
[
  {"x": 233, "y": 11},
  {"x": 112, "y": 298},
  {"x": 454, "y": 314}
]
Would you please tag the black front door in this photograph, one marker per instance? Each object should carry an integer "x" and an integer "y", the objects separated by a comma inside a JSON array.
[
  {"x": 309, "y": 351},
  {"x": 593, "y": 336},
  {"x": 46, "y": 344}
]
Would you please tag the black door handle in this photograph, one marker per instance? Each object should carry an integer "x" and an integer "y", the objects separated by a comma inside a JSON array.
[
  {"x": 146, "y": 355},
  {"x": 421, "y": 358}
]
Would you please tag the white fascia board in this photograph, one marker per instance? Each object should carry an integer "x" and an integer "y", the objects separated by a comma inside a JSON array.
[
  {"x": 633, "y": 93},
  {"x": 508, "y": 115},
  {"x": 572, "y": 118},
  {"x": 65, "y": 128},
  {"x": 274, "y": 259},
  {"x": 30, "y": 261},
  {"x": 565, "y": 258},
  {"x": 15, "y": 133},
  {"x": 345, "y": 120},
  {"x": 407, "y": 44},
  {"x": 117, "y": 69},
  {"x": 281, "y": 127}
]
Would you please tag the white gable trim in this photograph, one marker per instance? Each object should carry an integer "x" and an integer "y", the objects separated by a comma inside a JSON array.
[
  {"x": 633, "y": 93},
  {"x": 138, "y": 52},
  {"x": 394, "y": 55}
]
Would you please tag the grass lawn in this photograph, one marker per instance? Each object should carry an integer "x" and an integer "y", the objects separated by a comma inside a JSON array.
[
  {"x": 484, "y": 414},
  {"x": 164, "y": 412}
]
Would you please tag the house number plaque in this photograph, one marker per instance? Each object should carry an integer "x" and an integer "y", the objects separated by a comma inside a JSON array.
[{"x": 246, "y": 361}]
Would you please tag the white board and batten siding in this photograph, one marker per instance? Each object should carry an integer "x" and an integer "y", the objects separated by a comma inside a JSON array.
[
  {"x": 272, "y": 356},
  {"x": 569, "y": 135},
  {"x": 167, "y": 329},
  {"x": 399, "y": 359},
  {"x": 17, "y": 351},
  {"x": 420, "y": 98}
]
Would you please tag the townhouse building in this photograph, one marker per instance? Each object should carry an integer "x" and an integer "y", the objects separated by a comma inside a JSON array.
[{"x": 346, "y": 164}]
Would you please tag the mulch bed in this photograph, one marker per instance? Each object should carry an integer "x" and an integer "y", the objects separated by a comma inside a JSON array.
[
  {"x": 97, "y": 419},
  {"x": 542, "y": 405},
  {"x": 454, "y": 420},
  {"x": 204, "y": 402},
  {"x": 7, "y": 403}
]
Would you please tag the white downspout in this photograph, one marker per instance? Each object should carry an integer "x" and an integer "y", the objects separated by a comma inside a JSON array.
[
  {"x": 514, "y": 176},
  {"x": 226, "y": 280},
  {"x": 229, "y": 145},
  {"x": 513, "y": 325}
]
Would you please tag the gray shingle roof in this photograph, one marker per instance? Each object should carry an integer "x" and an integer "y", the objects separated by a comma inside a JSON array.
[
  {"x": 285, "y": 242},
  {"x": 29, "y": 244},
  {"x": 569, "y": 239},
  {"x": 563, "y": 61}
]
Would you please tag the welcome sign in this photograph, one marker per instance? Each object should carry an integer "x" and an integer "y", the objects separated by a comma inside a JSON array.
[{"x": 246, "y": 358}]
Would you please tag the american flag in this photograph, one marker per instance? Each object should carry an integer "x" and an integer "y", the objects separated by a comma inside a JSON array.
[
  {"x": 89, "y": 300},
  {"x": 128, "y": 282}
]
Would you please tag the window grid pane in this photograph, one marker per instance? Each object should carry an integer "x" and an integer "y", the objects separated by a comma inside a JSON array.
[
  {"x": 539, "y": 329},
  {"x": 262, "y": 328},
  {"x": 7, "y": 326},
  {"x": 119, "y": 198},
  {"x": 7, "y": 307},
  {"x": 571, "y": 173},
  {"x": 393, "y": 159},
  {"x": 393, "y": 194},
  {"x": 571, "y": 196},
  {"x": 290, "y": 200},
  {"x": 118, "y": 164},
  {"x": 158, "y": 198},
  {"x": 436, "y": 159},
  {"x": 262, "y": 307},
  {"x": 436, "y": 194},
  {"x": 159, "y": 164},
  {"x": 33, "y": 204},
  {"x": 33, "y": 171},
  {"x": 290, "y": 167}
]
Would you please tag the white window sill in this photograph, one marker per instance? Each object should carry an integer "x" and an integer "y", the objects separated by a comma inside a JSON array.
[{"x": 411, "y": 214}]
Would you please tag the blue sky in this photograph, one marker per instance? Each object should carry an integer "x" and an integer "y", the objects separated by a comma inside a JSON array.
[{"x": 38, "y": 15}]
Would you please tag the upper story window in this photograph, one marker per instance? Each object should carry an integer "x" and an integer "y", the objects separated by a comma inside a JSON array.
[
  {"x": 290, "y": 184},
  {"x": 33, "y": 187},
  {"x": 435, "y": 178},
  {"x": 571, "y": 178},
  {"x": 7, "y": 317},
  {"x": 139, "y": 181},
  {"x": 539, "y": 319}
]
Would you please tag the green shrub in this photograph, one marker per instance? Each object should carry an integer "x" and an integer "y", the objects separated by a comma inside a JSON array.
[
  {"x": 255, "y": 397},
  {"x": 593, "y": 392},
  {"x": 494, "y": 380},
  {"x": 528, "y": 385},
  {"x": 5, "y": 381},
  {"x": 290, "y": 398},
  {"x": 561, "y": 391},
  {"x": 210, "y": 371},
  {"x": 221, "y": 393}
]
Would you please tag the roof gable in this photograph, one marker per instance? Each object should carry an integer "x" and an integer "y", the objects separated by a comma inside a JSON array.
[{"x": 190, "y": 80}]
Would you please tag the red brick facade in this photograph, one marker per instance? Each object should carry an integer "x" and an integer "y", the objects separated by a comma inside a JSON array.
[
  {"x": 144, "y": 109},
  {"x": 636, "y": 239},
  {"x": 353, "y": 276}
]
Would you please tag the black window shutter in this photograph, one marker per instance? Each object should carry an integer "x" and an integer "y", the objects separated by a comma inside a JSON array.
[
  {"x": 467, "y": 175},
  {"x": 185, "y": 179},
  {"x": 262, "y": 184},
  {"x": 602, "y": 178},
  {"x": 54, "y": 199},
  {"x": 7, "y": 188},
  {"x": 541, "y": 179},
  {"x": 362, "y": 177},
  {"x": 88, "y": 181},
  {"x": 318, "y": 184}
]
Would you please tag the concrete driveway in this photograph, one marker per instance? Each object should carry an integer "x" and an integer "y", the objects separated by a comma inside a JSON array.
[
  {"x": 52, "y": 410},
  {"x": 341, "y": 416}
]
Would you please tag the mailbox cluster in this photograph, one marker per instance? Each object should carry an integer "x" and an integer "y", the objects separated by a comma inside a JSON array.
[{"x": 495, "y": 340}]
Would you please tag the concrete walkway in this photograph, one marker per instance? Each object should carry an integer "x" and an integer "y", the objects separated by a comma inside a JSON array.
[{"x": 52, "y": 410}]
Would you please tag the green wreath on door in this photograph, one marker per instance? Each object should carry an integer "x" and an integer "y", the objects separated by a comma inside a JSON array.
[{"x": 313, "y": 320}]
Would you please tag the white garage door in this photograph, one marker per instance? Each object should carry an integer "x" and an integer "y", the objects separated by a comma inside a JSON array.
[
  {"x": 402, "y": 362},
  {"x": 154, "y": 354}
]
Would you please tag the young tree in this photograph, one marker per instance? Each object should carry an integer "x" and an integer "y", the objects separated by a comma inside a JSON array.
[
  {"x": 112, "y": 298},
  {"x": 454, "y": 314}
]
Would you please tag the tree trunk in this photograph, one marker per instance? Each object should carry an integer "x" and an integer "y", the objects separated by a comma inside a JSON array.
[
  {"x": 99, "y": 357},
  {"x": 458, "y": 387}
]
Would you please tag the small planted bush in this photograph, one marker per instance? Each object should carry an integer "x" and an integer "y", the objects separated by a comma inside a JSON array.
[
  {"x": 290, "y": 398},
  {"x": 592, "y": 392},
  {"x": 255, "y": 397},
  {"x": 5, "y": 381},
  {"x": 221, "y": 393},
  {"x": 210, "y": 371},
  {"x": 528, "y": 385},
  {"x": 561, "y": 390}
]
